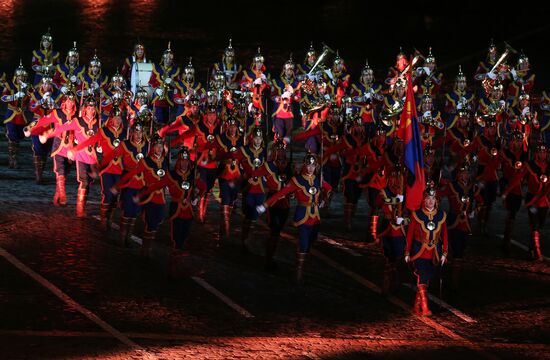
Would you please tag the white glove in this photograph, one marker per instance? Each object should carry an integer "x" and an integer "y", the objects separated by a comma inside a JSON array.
[
  {"x": 472, "y": 214},
  {"x": 159, "y": 91},
  {"x": 327, "y": 97},
  {"x": 46, "y": 95},
  {"x": 194, "y": 201},
  {"x": 23, "y": 85},
  {"x": 427, "y": 114},
  {"x": 533, "y": 210},
  {"x": 286, "y": 94},
  {"x": 89, "y": 91},
  {"x": 116, "y": 95},
  {"x": 260, "y": 209},
  {"x": 501, "y": 103},
  {"x": 73, "y": 78},
  {"x": 443, "y": 259},
  {"x": 142, "y": 108},
  {"x": 525, "y": 111},
  {"x": 258, "y": 81},
  {"x": 407, "y": 258},
  {"x": 70, "y": 155},
  {"x": 263, "y": 77},
  {"x": 426, "y": 70},
  {"x": 491, "y": 75},
  {"x": 64, "y": 89},
  {"x": 419, "y": 71},
  {"x": 19, "y": 95},
  {"x": 168, "y": 81},
  {"x": 481, "y": 185},
  {"x": 459, "y": 106},
  {"x": 95, "y": 85},
  {"x": 514, "y": 74},
  {"x": 368, "y": 96},
  {"x": 398, "y": 220},
  {"x": 333, "y": 157},
  {"x": 400, "y": 198}
]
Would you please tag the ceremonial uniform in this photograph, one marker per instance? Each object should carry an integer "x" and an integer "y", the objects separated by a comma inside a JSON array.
[
  {"x": 427, "y": 247},
  {"x": 45, "y": 59},
  {"x": 61, "y": 143},
  {"x": 535, "y": 174},
  {"x": 153, "y": 168},
  {"x": 308, "y": 191},
  {"x": 15, "y": 94},
  {"x": 165, "y": 75},
  {"x": 43, "y": 101},
  {"x": 513, "y": 158},
  {"x": 107, "y": 139}
]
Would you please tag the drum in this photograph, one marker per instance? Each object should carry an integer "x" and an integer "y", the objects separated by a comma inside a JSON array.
[{"x": 141, "y": 73}]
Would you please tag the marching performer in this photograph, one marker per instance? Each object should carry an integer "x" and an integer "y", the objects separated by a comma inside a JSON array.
[
  {"x": 16, "y": 95},
  {"x": 366, "y": 95},
  {"x": 459, "y": 100},
  {"x": 152, "y": 169},
  {"x": 131, "y": 152},
  {"x": 129, "y": 67},
  {"x": 229, "y": 68},
  {"x": 535, "y": 174},
  {"x": 310, "y": 192},
  {"x": 43, "y": 100},
  {"x": 513, "y": 158},
  {"x": 45, "y": 59},
  {"x": 61, "y": 143},
  {"x": 427, "y": 246},
  {"x": 163, "y": 79},
  {"x": 107, "y": 138},
  {"x": 183, "y": 189},
  {"x": 83, "y": 127},
  {"x": 392, "y": 228},
  {"x": 187, "y": 88},
  {"x": 427, "y": 79},
  {"x": 68, "y": 75},
  {"x": 285, "y": 96}
]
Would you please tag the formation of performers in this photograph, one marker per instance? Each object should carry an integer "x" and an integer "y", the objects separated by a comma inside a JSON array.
[{"x": 480, "y": 137}]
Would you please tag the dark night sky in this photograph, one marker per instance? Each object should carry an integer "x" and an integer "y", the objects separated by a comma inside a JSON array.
[{"x": 200, "y": 29}]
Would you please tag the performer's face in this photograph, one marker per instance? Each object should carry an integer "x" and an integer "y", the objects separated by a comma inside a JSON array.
[
  {"x": 311, "y": 59},
  {"x": 463, "y": 176},
  {"x": 94, "y": 69},
  {"x": 229, "y": 57},
  {"x": 461, "y": 85},
  {"x": 429, "y": 202},
  {"x": 524, "y": 102},
  {"x": 69, "y": 104},
  {"x": 257, "y": 141},
  {"x": 401, "y": 62},
  {"x": 258, "y": 65},
  {"x": 116, "y": 121},
  {"x": 72, "y": 60},
  {"x": 140, "y": 52},
  {"x": 47, "y": 87},
  {"x": 400, "y": 91},
  {"x": 427, "y": 106},
  {"x": 541, "y": 155},
  {"x": 137, "y": 136},
  {"x": 310, "y": 169},
  {"x": 516, "y": 144},
  {"x": 89, "y": 112},
  {"x": 368, "y": 78},
  {"x": 158, "y": 148},
  {"x": 289, "y": 71},
  {"x": 464, "y": 121},
  {"x": 46, "y": 44}
]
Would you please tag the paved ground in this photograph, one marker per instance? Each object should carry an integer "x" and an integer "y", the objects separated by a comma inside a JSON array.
[{"x": 66, "y": 291}]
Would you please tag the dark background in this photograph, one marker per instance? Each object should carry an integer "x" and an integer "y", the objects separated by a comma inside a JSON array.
[{"x": 458, "y": 32}]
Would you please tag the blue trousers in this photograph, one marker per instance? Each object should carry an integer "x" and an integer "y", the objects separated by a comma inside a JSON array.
[
  {"x": 179, "y": 228},
  {"x": 14, "y": 133},
  {"x": 276, "y": 219},
  {"x": 251, "y": 201},
  {"x": 129, "y": 208},
  {"x": 228, "y": 192},
  {"x": 307, "y": 234},
  {"x": 107, "y": 181},
  {"x": 153, "y": 215}
]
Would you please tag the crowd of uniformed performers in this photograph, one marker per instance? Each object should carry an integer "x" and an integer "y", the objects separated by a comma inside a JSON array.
[{"x": 483, "y": 135}]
